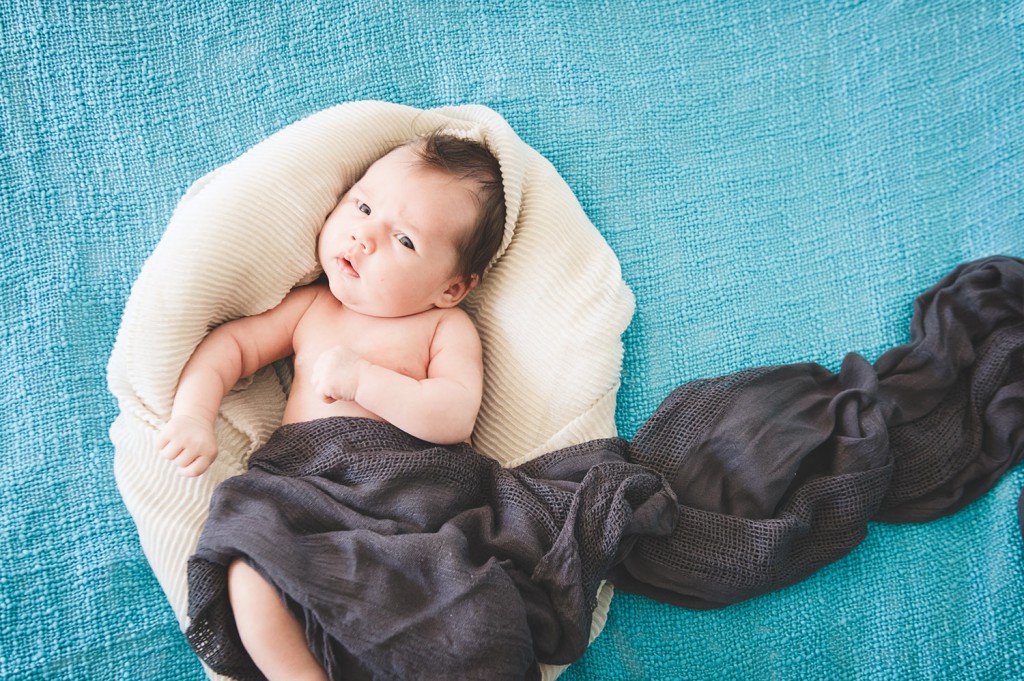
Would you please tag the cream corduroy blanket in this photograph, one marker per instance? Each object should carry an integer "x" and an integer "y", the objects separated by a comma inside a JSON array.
[{"x": 550, "y": 313}]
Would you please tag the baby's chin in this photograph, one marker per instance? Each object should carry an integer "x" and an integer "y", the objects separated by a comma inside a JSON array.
[
  {"x": 354, "y": 296},
  {"x": 378, "y": 309}
]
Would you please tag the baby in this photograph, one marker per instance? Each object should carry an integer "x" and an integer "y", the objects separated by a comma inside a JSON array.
[{"x": 380, "y": 337}]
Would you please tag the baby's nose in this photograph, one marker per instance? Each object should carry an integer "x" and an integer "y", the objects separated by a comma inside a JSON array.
[{"x": 365, "y": 241}]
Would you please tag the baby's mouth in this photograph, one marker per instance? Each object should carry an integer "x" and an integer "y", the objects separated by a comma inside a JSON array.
[{"x": 348, "y": 268}]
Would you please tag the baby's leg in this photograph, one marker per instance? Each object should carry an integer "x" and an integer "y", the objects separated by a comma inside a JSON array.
[{"x": 270, "y": 633}]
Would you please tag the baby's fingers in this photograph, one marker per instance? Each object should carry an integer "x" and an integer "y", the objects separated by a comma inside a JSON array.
[
  {"x": 169, "y": 449},
  {"x": 181, "y": 456},
  {"x": 196, "y": 468},
  {"x": 323, "y": 387},
  {"x": 327, "y": 397},
  {"x": 189, "y": 463}
]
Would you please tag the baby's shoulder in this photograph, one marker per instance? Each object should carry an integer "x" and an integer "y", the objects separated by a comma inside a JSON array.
[
  {"x": 316, "y": 297},
  {"x": 306, "y": 294},
  {"x": 312, "y": 303},
  {"x": 453, "y": 316},
  {"x": 454, "y": 325}
]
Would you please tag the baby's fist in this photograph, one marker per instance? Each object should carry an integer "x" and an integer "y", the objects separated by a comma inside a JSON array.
[
  {"x": 336, "y": 374},
  {"x": 188, "y": 442}
]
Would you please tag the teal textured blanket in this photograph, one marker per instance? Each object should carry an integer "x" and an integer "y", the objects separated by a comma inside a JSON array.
[{"x": 778, "y": 180}]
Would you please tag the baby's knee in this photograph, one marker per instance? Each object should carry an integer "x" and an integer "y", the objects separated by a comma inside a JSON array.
[{"x": 246, "y": 584}]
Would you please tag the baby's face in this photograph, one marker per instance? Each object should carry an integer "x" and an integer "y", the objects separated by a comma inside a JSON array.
[{"x": 389, "y": 248}]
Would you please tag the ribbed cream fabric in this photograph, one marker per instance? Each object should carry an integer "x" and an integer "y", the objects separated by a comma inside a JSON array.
[{"x": 550, "y": 312}]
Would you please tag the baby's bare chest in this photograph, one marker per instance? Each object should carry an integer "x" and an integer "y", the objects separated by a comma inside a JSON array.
[{"x": 402, "y": 345}]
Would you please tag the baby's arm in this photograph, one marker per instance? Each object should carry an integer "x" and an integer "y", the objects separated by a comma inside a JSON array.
[
  {"x": 441, "y": 408},
  {"x": 230, "y": 352}
]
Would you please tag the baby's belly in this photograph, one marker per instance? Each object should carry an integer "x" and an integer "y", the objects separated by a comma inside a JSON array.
[{"x": 298, "y": 410}]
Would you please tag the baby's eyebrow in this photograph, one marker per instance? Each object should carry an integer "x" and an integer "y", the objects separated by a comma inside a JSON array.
[{"x": 369, "y": 197}]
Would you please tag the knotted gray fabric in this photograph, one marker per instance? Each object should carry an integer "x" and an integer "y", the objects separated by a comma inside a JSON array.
[
  {"x": 408, "y": 560},
  {"x": 778, "y": 470}
]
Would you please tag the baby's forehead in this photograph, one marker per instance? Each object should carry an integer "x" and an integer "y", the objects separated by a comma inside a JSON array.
[
  {"x": 404, "y": 165},
  {"x": 403, "y": 154}
]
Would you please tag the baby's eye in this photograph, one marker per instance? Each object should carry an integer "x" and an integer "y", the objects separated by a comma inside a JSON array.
[
  {"x": 363, "y": 208},
  {"x": 406, "y": 241}
]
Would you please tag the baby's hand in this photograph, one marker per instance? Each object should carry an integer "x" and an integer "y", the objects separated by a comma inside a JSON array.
[
  {"x": 190, "y": 443},
  {"x": 336, "y": 374}
]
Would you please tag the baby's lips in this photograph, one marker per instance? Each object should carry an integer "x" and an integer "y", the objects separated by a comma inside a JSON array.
[{"x": 348, "y": 267}]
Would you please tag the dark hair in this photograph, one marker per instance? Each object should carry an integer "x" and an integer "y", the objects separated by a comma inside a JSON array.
[{"x": 469, "y": 159}]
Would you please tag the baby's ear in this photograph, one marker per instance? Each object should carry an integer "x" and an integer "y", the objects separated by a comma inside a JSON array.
[{"x": 457, "y": 289}]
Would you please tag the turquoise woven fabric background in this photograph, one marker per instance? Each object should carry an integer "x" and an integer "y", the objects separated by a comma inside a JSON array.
[{"x": 778, "y": 179}]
